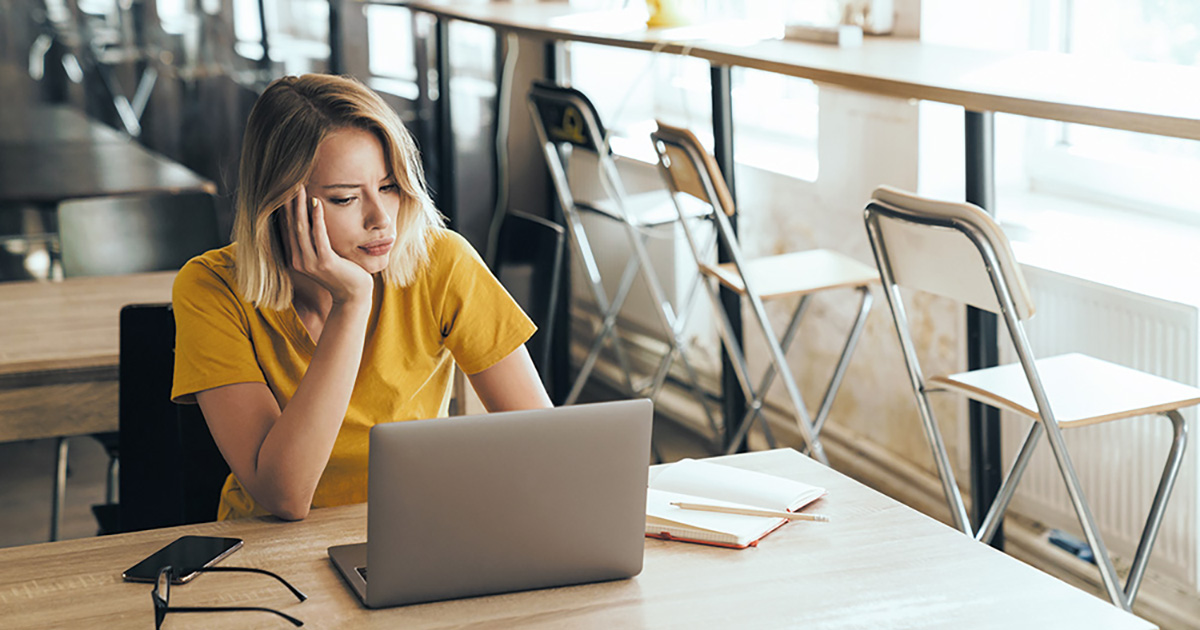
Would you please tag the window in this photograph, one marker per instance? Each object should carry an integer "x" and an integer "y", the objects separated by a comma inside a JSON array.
[
  {"x": 774, "y": 116},
  {"x": 1140, "y": 171},
  {"x": 297, "y": 32},
  {"x": 1131, "y": 171}
]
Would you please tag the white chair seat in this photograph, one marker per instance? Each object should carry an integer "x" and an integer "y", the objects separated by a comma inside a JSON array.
[
  {"x": 1082, "y": 390},
  {"x": 796, "y": 273}
]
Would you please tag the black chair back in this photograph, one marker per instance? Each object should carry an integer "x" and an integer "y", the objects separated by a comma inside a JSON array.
[{"x": 171, "y": 471}]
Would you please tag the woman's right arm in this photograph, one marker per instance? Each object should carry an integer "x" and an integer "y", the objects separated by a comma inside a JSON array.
[{"x": 278, "y": 455}]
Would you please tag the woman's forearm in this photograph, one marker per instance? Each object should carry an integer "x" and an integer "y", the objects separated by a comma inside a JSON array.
[{"x": 296, "y": 449}]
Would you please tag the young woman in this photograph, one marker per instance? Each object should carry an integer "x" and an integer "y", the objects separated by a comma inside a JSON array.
[{"x": 342, "y": 303}]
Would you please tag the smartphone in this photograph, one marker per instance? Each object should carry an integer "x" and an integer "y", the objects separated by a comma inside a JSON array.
[{"x": 186, "y": 554}]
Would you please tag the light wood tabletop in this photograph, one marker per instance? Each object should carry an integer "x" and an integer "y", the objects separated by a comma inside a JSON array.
[
  {"x": 59, "y": 349},
  {"x": 1149, "y": 98},
  {"x": 877, "y": 564}
]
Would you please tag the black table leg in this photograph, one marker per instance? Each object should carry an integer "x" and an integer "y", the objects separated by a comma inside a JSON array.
[
  {"x": 982, "y": 349},
  {"x": 734, "y": 400}
]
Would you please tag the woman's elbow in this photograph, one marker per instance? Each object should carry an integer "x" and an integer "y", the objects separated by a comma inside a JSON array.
[
  {"x": 291, "y": 510},
  {"x": 287, "y": 505}
]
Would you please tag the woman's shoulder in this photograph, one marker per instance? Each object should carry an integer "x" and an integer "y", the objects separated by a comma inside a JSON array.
[
  {"x": 210, "y": 269},
  {"x": 446, "y": 249},
  {"x": 446, "y": 242}
]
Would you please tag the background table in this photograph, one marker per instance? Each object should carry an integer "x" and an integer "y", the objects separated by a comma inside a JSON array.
[
  {"x": 59, "y": 349},
  {"x": 876, "y": 564},
  {"x": 51, "y": 153},
  {"x": 59, "y": 352},
  {"x": 44, "y": 123}
]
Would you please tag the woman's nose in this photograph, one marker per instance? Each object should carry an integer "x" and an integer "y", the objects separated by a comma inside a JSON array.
[{"x": 376, "y": 215}]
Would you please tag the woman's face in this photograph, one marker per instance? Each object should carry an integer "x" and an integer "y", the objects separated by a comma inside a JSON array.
[{"x": 360, "y": 198}]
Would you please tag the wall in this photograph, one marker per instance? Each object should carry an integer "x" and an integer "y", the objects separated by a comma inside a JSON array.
[{"x": 864, "y": 141}]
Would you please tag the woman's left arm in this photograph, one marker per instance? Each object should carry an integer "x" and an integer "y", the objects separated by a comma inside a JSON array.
[{"x": 511, "y": 384}]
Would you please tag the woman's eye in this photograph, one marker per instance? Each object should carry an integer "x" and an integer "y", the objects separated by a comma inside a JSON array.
[
  {"x": 340, "y": 201},
  {"x": 390, "y": 188}
]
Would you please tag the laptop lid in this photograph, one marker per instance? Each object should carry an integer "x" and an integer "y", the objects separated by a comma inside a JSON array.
[{"x": 474, "y": 505}]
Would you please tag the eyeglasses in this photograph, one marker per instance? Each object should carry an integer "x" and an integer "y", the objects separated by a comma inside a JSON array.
[{"x": 161, "y": 595}]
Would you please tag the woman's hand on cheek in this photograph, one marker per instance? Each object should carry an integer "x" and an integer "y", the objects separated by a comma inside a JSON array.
[{"x": 312, "y": 255}]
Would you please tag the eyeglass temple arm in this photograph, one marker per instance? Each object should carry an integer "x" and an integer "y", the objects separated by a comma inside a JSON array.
[
  {"x": 295, "y": 591},
  {"x": 199, "y": 609}
]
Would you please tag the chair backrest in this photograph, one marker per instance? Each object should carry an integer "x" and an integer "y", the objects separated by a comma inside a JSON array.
[
  {"x": 117, "y": 235},
  {"x": 945, "y": 248},
  {"x": 567, "y": 116},
  {"x": 529, "y": 258},
  {"x": 171, "y": 471},
  {"x": 568, "y": 126},
  {"x": 689, "y": 168}
]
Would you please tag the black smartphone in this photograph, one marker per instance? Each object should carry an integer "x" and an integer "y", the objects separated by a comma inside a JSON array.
[{"x": 186, "y": 554}]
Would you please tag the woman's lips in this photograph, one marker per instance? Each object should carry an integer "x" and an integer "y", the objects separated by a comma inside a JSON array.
[{"x": 378, "y": 248}]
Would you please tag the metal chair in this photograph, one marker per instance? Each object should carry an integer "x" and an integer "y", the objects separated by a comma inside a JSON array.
[
  {"x": 691, "y": 173},
  {"x": 957, "y": 251},
  {"x": 567, "y": 123},
  {"x": 119, "y": 235},
  {"x": 529, "y": 255}
]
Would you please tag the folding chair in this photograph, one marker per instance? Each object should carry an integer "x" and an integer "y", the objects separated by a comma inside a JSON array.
[
  {"x": 957, "y": 251},
  {"x": 689, "y": 170},
  {"x": 566, "y": 122}
]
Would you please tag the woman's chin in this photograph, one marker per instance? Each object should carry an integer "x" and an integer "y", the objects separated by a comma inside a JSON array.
[{"x": 372, "y": 267}]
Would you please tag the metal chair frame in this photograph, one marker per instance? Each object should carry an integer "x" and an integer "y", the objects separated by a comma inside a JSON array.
[
  {"x": 564, "y": 116},
  {"x": 1048, "y": 424},
  {"x": 809, "y": 426}
]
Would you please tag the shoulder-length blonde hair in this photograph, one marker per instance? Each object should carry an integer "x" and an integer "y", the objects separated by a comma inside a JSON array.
[{"x": 286, "y": 125}]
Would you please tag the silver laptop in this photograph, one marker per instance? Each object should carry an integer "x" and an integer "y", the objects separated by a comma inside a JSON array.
[{"x": 474, "y": 505}]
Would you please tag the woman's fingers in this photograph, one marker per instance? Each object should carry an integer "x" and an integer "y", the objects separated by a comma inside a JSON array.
[
  {"x": 320, "y": 235},
  {"x": 303, "y": 227}
]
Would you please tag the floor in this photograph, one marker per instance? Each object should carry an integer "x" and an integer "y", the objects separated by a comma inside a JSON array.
[
  {"x": 26, "y": 480},
  {"x": 27, "y": 473}
]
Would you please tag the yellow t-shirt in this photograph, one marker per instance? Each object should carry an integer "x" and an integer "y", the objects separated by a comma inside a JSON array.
[{"x": 453, "y": 311}]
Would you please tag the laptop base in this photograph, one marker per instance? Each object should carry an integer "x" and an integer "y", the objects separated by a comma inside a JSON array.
[{"x": 349, "y": 559}]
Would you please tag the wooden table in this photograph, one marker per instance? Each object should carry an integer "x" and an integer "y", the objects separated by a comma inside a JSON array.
[
  {"x": 54, "y": 153},
  {"x": 58, "y": 352},
  {"x": 877, "y": 564},
  {"x": 51, "y": 153},
  {"x": 59, "y": 345},
  {"x": 45, "y": 123},
  {"x": 45, "y": 173},
  {"x": 1151, "y": 98},
  {"x": 54, "y": 172}
]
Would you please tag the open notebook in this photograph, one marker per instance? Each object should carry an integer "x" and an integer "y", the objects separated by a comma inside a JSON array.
[{"x": 694, "y": 481}]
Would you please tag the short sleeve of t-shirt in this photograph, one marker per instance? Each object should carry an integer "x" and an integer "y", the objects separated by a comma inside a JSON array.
[
  {"x": 480, "y": 323},
  {"x": 212, "y": 330}
]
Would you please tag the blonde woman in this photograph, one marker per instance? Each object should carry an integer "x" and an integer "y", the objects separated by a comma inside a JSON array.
[{"x": 342, "y": 303}]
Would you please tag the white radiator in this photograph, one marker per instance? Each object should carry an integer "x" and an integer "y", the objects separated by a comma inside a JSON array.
[{"x": 1119, "y": 463}]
